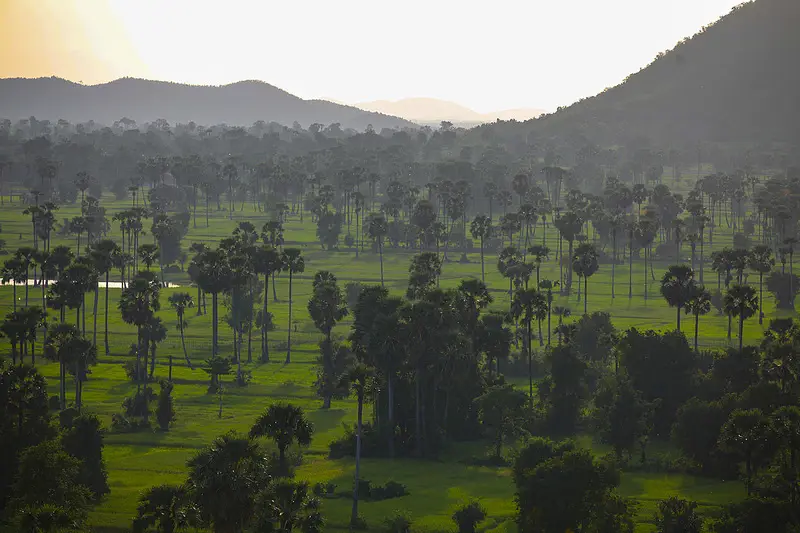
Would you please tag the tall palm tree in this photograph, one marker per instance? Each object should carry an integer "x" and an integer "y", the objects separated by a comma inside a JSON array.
[
  {"x": 677, "y": 287},
  {"x": 529, "y": 305},
  {"x": 377, "y": 228},
  {"x": 14, "y": 271},
  {"x": 569, "y": 226},
  {"x": 358, "y": 377},
  {"x": 13, "y": 328},
  {"x": 180, "y": 302},
  {"x": 506, "y": 261},
  {"x": 481, "y": 229},
  {"x": 138, "y": 303},
  {"x": 761, "y": 261},
  {"x": 67, "y": 346},
  {"x": 286, "y": 424},
  {"x": 268, "y": 261},
  {"x": 295, "y": 264},
  {"x": 741, "y": 301},
  {"x": 699, "y": 304},
  {"x": 540, "y": 253},
  {"x": 214, "y": 276},
  {"x": 547, "y": 287},
  {"x": 789, "y": 244},
  {"x": 103, "y": 254},
  {"x": 584, "y": 264}
]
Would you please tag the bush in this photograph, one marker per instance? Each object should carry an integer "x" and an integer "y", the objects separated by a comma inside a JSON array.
[
  {"x": 352, "y": 289},
  {"x": 784, "y": 287},
  {"x": 468, "y": 516},
  {"x": 130, "y": 370},
  {"x": 391, "y": 489},
  {"x": 165, "y": 411},
  {"x": 373, "y": 443},
  {"x": 360, "y": 524},
  {"x": 399, "y": 522}
]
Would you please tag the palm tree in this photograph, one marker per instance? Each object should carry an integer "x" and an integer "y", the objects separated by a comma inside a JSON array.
[
  {"x": 585, "y": 264},
  {"x": 529, "y": 305},
  {"x": 540, "y": 254},
  {"x": 13, "y": 328},
  {"x": 289, "y": 505},
  {"x": 162, "y": 506},
  {"x": 699, "y": 303},
  {"x": 741, "y": 301},
  {"x": 377, "y": 228},
  {"x": 138, "y": 303},
  {"x": 614, "y": 222},
  {"x": 677, "y": 287},
  {"x": 789, "y": 244},
  {"x": 14, "y": 271},
  {"x": 149, "y": 254},
  {"x": 67, "y": 346},
  {"x": 295, "y": 264},
  {"x": 285, "y": 424},
  {"x": 509, "y": 258},
  {"x": 569, "y": 226},
  {"x": 761, "y": 261},
  {"x": 358, "y": 377},
  {"x": 180, "y": 302},
  {"x": 481, "y": 229},
  {"x": 103, "y": 254},
  {"x": 224, "y": 480},
  {"x": 213, "y": 277},
  {"x": 547, "y": 286},
  {"x": 268, "y": 261}
]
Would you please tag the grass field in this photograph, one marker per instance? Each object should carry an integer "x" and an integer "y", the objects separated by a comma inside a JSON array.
[{"x": 137, "y": 461}]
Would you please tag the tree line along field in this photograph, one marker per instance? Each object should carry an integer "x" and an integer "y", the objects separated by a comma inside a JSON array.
[{"x": 139, "y": 460}]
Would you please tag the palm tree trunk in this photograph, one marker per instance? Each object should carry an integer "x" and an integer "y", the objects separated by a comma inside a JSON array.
[
  {"x": 760, "y": 298},
  {"x": 380, "y": 251},
  {"x": 530, "y": 362},
  {"x": 390, "y": 409},
  {"x": 741, "y": 330},
  {"x": 483, "y": 268},
  {"x": 585, "y": 294},
  {"x": 613, "y": 263},
  {"x": 214, "y": 332},
  {"x": 630, "y": 266},
  {"x": 696, "y": 329},
  {"x": 289, "y": 338},
  {"x": 94, "y": 315},
  {"x": 264, "y": 345},
  {"x": 105, "y": 316},
  {"x": 354, "y": 511}
]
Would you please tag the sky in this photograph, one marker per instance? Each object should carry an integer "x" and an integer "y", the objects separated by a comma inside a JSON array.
[{"x": 487, "y": 55}]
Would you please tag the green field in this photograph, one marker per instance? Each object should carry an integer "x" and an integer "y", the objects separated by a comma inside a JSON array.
[{"x": 137, "y": 461}]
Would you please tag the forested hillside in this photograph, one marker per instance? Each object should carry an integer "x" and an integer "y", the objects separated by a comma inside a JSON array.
[
  {"x": 735, "y": 81},
  {"x": 236, "y": 104}
]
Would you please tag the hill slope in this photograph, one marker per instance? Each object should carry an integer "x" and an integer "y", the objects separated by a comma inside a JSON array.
[
  {"x": 736, "y": 81},
  {"x": 239, "y": 103},
  {"x": 432, "y": 110}
]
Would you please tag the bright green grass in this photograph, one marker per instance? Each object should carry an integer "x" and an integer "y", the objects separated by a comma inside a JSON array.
[{"x": 137, "y": 461}]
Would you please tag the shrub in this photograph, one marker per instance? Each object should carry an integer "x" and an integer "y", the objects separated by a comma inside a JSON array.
[
  {"x": 468, "y": 516},
  {"x": 165, "y": 411},
  {"x": 399, "y": 522},
  {"x": 784, "y": 287},
  {"x": 675, "y": 515},
  {"x": 360, "y": 524}
]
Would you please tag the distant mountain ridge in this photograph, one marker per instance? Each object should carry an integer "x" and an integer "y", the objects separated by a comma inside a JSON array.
[
  {"x": 240, "y": 103},
  {"x": 433, "y": 110},
  {"x": 735, "y": 81}
]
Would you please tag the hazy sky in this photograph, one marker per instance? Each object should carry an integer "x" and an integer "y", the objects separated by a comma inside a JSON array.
[{"x": 488, "y": 55}]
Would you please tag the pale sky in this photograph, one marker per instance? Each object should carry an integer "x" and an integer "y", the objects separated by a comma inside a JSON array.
[{"x": 488, "y": 54}]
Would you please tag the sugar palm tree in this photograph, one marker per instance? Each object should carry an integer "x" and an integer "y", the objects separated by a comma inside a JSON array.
[
  {"x": 138, "y": 303},
  {"x": 547, "y": 287},
  {"x": 377, "y": 228},
  {"x": 540, "y": 253},
  {"x": 358, "y": 376},
  {"x": 268, "y": 261},
  {"x": 103, "y": 254},
  {"x": 163, "y": 506},
  {"x": 286, "y": 424},
  {"x": 584, "y": 264},
  {"x": 481, "y": 229},
  {"x": 740, "y": 301},
  {"x": 180, "y": 302},
  {"x": 761, "y": 261},
  {"x": 295, "y": 264},
  {"x": 677, "y": 287},
  {"x": 14, "y": 271},
  {"x": 699, "y": 304},
  {"x": 214, "y": 277},
  {"x": 529, "y": 305},
  {"x": 569, "y": 226}
]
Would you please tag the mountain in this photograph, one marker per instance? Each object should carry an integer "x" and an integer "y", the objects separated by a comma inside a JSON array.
[
  {"x": 433, "y": 111},
  {"x": 735, "y": 81},
  {"x": 239, "y": 103}
]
